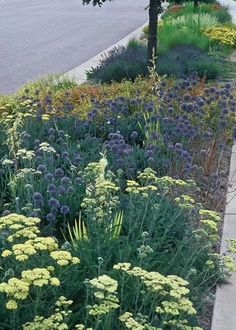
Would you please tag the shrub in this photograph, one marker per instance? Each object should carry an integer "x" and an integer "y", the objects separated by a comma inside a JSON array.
[
  {"x": 121, "y": 63},
  {"x": 222, "y": 14},
  {"x": 224, "y": 35},
  {"x": 181, "y": 60}
]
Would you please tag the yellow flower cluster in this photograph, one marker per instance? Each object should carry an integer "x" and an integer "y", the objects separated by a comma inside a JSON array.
[
  {"x": 130, "y": 323},
  {"x": 149, "y": 182},
  {"x": 133, "y": 187},
  {"x": 224, "y": 35},
  {"x": 232, "y": 245},
  {"x": 18, "y": 289},
  {"x": 19, "y": 226},
  {"x": 39, "y": 277},
  {"x": 81, "y": 327},
  {"x": 105, "y": 291},
  {"x": 53, "y": 322},
  {"x": 209, "y": 220},
  {"x": 15, "y": 289},
  {"x": 44, "y": 248},
  {"x": 171, "y": 289},
  {"x": 22, "y": 251},
  {"x": 63, "y": 258}
]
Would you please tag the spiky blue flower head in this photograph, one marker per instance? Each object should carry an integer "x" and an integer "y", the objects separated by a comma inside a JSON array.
[
  {"x": 59, "y": 172},
  {"x": 65, "y": 209},
  {"x": 53, "y": 202},
  {"x": 41, "y": 168},
  {"x": 50, "y": 217}
]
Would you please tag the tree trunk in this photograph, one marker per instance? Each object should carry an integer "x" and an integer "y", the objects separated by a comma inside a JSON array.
[{"x": 152, "y": 31}]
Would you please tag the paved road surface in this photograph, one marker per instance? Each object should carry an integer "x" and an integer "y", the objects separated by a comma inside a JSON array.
[{"x": 42, "y": 36}]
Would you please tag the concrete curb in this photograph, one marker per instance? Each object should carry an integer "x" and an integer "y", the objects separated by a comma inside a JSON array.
[
  {"x": 224, "y": 314},
  {"x": 78, "y": 74}
]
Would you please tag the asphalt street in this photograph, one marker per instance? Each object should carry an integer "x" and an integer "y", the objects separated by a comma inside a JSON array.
[{"x": 38, "y": 37}]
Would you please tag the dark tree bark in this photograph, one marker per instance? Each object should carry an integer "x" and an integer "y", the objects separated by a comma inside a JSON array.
[{"x": 152, "y": 31}]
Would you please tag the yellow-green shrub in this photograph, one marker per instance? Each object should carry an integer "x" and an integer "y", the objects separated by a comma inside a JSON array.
[{"x": 224, "y": 35}]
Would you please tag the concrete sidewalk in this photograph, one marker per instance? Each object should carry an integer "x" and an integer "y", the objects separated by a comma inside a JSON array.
[{"x": 224, "y": 314}]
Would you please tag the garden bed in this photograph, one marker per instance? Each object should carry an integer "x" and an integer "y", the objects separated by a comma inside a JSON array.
[{"x": 110, "y": 198}]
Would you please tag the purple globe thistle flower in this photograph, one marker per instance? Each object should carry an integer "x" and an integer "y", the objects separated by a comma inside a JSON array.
[
  {"x": 228, "y": 85},
  {"x": 50, "y": 217},
  {"x": 200, "y": 102},
  {"x": 65, "y": 180},
  {"x": 187, "y": 168},
  {"x": 154, "y": 135},
  {"x": 184, "y": 154},
  {"x": 149, "y": 153},
  {"x": 212, "y": 89},
  {"x": 36, "y": 142},
  {"x": 61, "y": 190},
  {"x": 37, "y": 196},
  {"x": 38, "y": 203},
  {"x": 186, "y": 97},
  {"x": 64, "y": 154},
  {"x": 61, "y": 133},
  {"x": 51, "y": 186},
  {"x": 51, "y": 138},
  {"x": 170, "y": 147},
  {"x": 178, "y": 146},
  {"x": 59, "y": 172},
  {"x": 134, "y": 135},
  {"x": 53, "y": 202},
  {"x": 78, "y": 180},
  {"x": 170, "y": 109},
  {"x": 41, "y": 168},
  {"x": 77, "y": 157},
  {"x": 65, "y": 209},
  {"x": 49, "y": 176},
  {"x": 224, "y": 111},
  {"x": 184, "y": 106},
  {"x": 70, "y": 190},
  {"x": 51, "y": 131}
]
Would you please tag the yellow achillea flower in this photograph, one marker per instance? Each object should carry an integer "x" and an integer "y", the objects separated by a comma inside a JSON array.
[
  {"x": 36, "y": 276},
  {"x": 225, "y": 35},
  {"x": 63, "y": 258},
  {"x": 19, "y": 226},
  {"x": 15, "y": 288},
  {"x": 11, "y": 304},
  {"x": 54, "y": 322},
  {"x": 6, "y": 253},
  {"x": 130, "y": 322}
]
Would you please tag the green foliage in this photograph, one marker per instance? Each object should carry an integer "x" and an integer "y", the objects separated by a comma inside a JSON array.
[
  {"x": 138, "y": 248},
  {"x": 222, "y": 14},
  {"x": 121, "y": 63}
]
